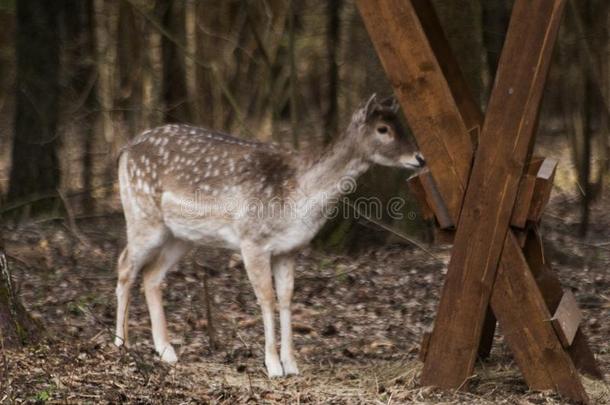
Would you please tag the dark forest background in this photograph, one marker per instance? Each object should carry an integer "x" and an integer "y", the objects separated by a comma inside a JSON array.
[{"x": 78, "y": 78}]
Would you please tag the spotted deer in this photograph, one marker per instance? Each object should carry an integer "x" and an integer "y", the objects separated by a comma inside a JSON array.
[{"x": 182, "y": 186}]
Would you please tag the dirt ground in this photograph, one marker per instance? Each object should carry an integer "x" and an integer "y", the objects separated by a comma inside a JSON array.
[{"x": 358, "y": 323}]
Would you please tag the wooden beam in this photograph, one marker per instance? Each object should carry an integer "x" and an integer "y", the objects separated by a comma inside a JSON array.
[
  {"x": 423, "y": 347},
  {"x": 524, "y": 320},
  {"x": 525, "y": 194},
  {"x": 566, "y": 319},
  {"x": 425, "y": 188},
  {"x": 462, "y": 94},
  {"x": 488, "y": 203},
  {"x": 424, "y": 94},
  {"x": 524, "y": 201},
  {"x": 417, "y": 189},
  {"x": 551, "y": 290},
  {"x": 583, "y": 357},
  {"x": 542, "y": 189},
  {"x": 393, "y": 49},
  {"x": 534, "y": 191}
]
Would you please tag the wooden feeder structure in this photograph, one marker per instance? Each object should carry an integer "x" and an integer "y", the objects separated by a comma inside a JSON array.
[{"x": 487, "y": 193}]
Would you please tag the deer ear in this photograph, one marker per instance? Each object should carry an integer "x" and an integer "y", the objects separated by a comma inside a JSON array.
[
  {"x": 370, "y": 106},
  {"x": 391, "y": 103},
  {"x": 395, "y": 106}
]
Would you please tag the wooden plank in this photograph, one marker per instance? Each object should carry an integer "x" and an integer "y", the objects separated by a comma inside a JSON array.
[
  {"x": 551, "y": 289},
  {"x": 423, "y": 92},
  {"x": 530, "y": 189},
  {"x": 546, "y": 280},
  {"x": 490, "y": 196},
  {"x": 426, "y": 191},
  {"x": 466, "y": 103},
  {"x": 583, "y": 357},
  {"x": 524, "y": 201},
  {"x": 423, "y": 347},
  {"x": 417, "y": 189},
  {"x": 542, "y": 189},
  {"x": 524, "y": 320},
  {"x": 456, "y": 94},
  {"x": 534, "y": 191},
  {"x": 435, "y": 200},
  {"x": 566, "y": 319}
]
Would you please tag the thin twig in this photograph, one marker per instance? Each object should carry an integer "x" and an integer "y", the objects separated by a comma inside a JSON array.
[
  {"x": 71, "y": 221},
  {"x": 394, "y": 231},
  {"x": 208, "y": 307},
  {"x": 39, "y": 197}
]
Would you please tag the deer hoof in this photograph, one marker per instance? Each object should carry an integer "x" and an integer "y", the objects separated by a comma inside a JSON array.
[
  {"x": 274, "y": 369},
  {"x": 290, "y": 367},
  {"x": 168, "y": 355}
]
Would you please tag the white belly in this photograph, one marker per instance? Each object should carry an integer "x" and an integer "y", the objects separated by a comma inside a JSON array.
[
  {"x": 276, "y": 234},
  {"x": 199, "y": 226}
]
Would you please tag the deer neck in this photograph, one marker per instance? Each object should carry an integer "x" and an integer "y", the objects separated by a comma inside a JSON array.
[{"x": 335, "y": 172}]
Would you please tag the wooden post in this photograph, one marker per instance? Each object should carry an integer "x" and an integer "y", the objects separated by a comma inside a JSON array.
[
  {"x": 462, "y": 94},
  {"x": 424, "y": 94},
  {"x": 551, "y": 289},
  {"x": 525, "y": 323},
  {"x": 406, "y": 32},
  {"x": 566, "y": 319},
  {"x": 492, "y": 190}
]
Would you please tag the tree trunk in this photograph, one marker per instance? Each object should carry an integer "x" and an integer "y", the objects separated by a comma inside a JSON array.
[
  {"x": 152, "y": 78},
  {"x": 190, "y": 65},
  {"x": 106, "y": 27},
  {"x": 587, "y": 116},
  {"x": 293, "y": 75},
  {"x": 79, "y": 40},
  {"x": 130, "y": 47},
  {"x": 175, "y": 95},
  {"x": 331, "y": 120},
  {"x": 35, "y": 171},
  {"x": 584, "y": 16},
  {"x": 17, "y": 328}
]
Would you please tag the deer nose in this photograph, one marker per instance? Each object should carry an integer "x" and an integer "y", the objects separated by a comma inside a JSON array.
[{"x": 420, "y": 160}]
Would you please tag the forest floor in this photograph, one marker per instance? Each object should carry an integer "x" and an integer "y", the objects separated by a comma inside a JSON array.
[{"x": 358, "y": 322}]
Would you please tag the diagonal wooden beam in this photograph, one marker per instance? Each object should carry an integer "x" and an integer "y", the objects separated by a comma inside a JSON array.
[
  {"x": 462, "y": 94},
  {"x": 469, "y": 110},
  {"x": 490, "y": 196},
  {"x": 424, "y": 94},
  {"x": 525, "y": 323},
  {"x": 551, "y": 289}
]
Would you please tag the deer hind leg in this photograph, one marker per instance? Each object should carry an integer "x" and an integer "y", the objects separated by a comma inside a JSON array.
[
  {"x": 126, "y": 277},
  {"x": 258, "y": 267},
  {"x": 172, "y": 251},
  {"x": 283, "y": 273},
  {"x": 137, "y": 254}
]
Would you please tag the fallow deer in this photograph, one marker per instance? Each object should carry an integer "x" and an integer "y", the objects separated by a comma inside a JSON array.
[{"x": 182, "y": 186}]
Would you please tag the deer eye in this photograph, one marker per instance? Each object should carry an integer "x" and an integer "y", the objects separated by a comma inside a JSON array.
[{"x": 382, "y": 129}]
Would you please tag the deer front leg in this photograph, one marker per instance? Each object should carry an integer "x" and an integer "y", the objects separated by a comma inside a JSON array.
[
  {"x": 258, "y": 267},
  {"x": 283, "y": 272}
]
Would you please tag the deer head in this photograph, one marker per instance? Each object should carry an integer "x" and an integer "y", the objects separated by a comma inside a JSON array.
[{"x": 381, "y": 138}]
